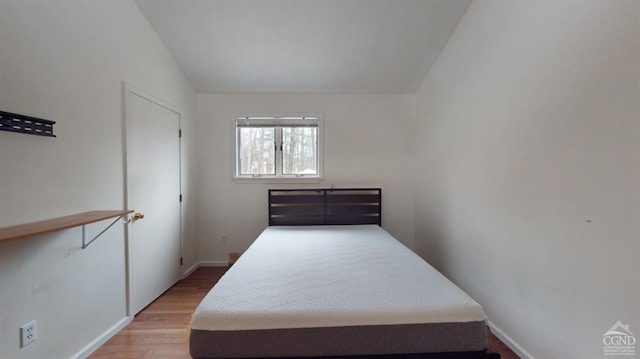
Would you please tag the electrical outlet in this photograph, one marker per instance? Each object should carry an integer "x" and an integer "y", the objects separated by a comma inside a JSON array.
[
  {"x": 225, "y": 238},
  {"x": 28, "y": 334}
]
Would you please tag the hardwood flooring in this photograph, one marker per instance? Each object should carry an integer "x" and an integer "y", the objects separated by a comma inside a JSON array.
[{"x": 160, "y": 331}]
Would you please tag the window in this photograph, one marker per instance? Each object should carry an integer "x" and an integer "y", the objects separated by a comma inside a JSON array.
[{"x": 278, "y": 147}]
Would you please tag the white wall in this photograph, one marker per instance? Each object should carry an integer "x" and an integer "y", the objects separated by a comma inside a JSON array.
[
  {"x": 528, "y": 197},
  {"x": 366, "y": 143},
  {"x": 65, "y": 60}
]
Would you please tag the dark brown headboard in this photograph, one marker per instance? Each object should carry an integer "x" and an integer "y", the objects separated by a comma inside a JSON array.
[{"x": 300, "y": 207}]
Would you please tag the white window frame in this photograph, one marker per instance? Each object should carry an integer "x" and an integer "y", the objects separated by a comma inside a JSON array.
[{"x": 278, "y": 121}]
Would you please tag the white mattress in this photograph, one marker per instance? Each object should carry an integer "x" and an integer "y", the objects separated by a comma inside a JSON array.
[{"x": 331, "y": 276}]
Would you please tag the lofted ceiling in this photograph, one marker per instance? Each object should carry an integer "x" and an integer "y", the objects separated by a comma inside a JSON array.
[{"x": 304, "y": 46}]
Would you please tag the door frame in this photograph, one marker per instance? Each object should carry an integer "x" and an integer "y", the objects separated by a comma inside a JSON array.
[{"x": 129, "y": 90}]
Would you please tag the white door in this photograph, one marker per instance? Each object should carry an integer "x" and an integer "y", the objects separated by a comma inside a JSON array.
[{"x": 153, "y": 181}]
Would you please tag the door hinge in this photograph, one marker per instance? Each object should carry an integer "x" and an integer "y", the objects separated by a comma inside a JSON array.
[
  {"x": 180, "y": 133},
  {"x": 180, "y": 260},
  {"x": 180, "y": 197}
]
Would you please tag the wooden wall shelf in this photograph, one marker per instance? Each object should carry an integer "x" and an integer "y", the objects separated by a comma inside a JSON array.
[{"x": 57, "y": 224}]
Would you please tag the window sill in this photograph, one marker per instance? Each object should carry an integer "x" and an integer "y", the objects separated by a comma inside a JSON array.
[{"x": 298, "y": 180}]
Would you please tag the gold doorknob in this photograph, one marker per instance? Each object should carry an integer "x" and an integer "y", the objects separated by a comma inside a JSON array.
[{"x": 138, "y": 216}]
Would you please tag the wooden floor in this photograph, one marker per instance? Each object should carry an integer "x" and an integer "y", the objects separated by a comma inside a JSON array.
[{"x": 161, "y": 330}]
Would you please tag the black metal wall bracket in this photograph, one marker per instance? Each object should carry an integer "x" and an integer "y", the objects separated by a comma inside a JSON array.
[{"x": 14, "y": 122}]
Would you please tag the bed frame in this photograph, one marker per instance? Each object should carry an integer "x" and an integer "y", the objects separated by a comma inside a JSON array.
[
  {"x": 343, "y": 206},
  {"x": 322, "y": 206}
]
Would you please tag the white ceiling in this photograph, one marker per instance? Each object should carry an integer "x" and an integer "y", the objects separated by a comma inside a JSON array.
[{"x": 304, "y": 46}]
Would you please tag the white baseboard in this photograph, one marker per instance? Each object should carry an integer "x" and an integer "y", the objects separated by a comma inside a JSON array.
[
  {"x": 190, "y": 270},
  {"x": 99, "y": 341},
  {"x": 508, "y": 341},
  {"x": 193, "y": 268},
  {"x": 213, "y": 263}
]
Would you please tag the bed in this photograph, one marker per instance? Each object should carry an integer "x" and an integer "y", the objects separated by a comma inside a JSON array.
[{"x": 324, "y": 280}]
